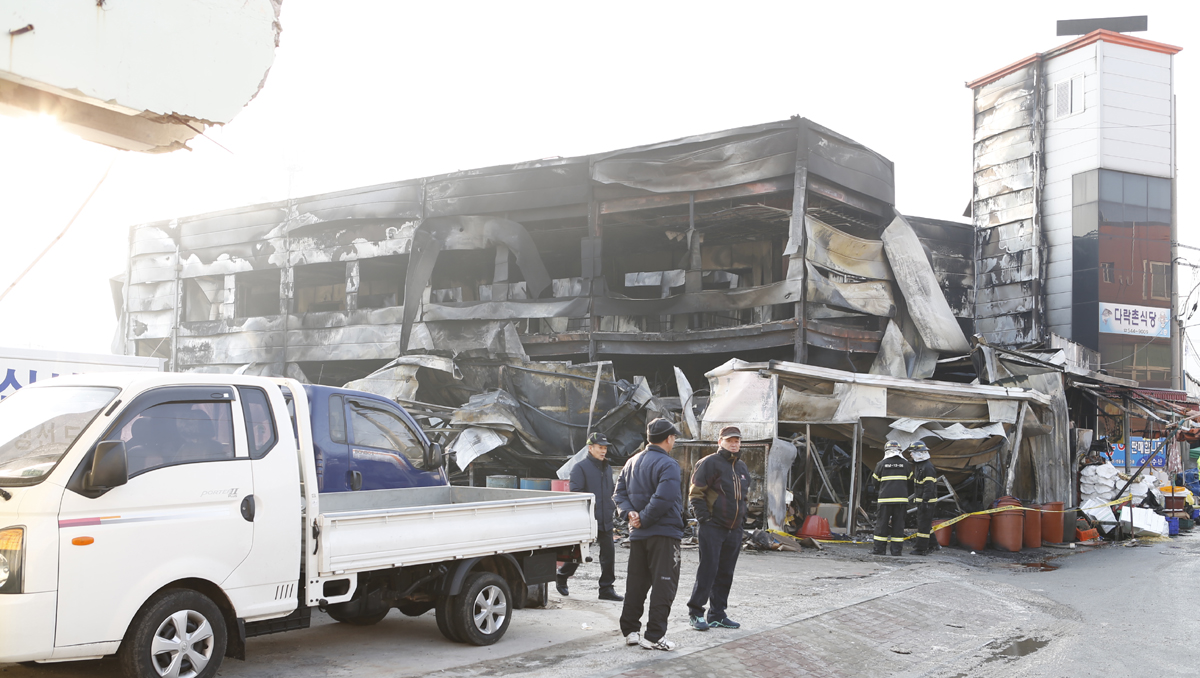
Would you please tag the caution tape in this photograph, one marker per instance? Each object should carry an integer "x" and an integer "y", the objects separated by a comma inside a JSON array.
[
  {"x": 1001, "y": 509},
  {"x": 956, "y": 519}
]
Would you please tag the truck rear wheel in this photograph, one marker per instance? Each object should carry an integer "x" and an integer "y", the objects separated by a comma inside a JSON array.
[
  {"x": 483, "y": 609},
  {"x": 178, "y": 633},
  {"x": 445, "y": 621}
]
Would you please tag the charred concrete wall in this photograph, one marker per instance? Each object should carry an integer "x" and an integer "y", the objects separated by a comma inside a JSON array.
[
  {"x": 760, "y": 239},
  {"x": 1006, "y": 207}
]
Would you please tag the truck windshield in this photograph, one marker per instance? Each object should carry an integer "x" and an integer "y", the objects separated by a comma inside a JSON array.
[{"x": 39, "y": 425}]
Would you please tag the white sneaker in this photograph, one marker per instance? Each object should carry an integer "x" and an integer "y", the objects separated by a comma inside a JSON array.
[
  {"x": 633, "y": 638},
  {"x": 660, "y": 644}
]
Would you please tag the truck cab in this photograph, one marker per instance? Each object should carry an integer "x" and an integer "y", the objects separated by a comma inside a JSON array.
[{"x": 363, "y": 441}]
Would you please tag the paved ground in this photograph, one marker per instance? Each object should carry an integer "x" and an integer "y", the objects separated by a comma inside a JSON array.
[{"x": 1112, "y": 612}]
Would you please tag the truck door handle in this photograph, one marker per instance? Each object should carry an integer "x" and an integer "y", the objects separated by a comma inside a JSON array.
[{"x": 248, "y": 508}]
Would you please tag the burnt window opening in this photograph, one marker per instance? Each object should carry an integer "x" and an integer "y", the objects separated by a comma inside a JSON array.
[
  {"x": 458, "y": 274},
  {"x": 153, "y": 348},
  {"x": 319, "y": 288},
  {"x": 381, "y": 281},
  {"x": 257, "y": 293},
  {"x": 203, "y": 297}
]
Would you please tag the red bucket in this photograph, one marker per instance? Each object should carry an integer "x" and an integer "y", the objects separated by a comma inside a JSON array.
[{"x": 816, "y": 527}]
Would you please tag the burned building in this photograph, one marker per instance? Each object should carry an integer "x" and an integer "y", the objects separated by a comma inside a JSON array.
[
  {"x": 1074, "y": 203},
  {"x": 760, "y": 243}
]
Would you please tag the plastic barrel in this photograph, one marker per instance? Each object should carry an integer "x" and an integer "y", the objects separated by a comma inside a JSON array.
[
  {"x": 509, "y": 482},
  {"x": 1033, "y": 527},
  {"x": 1052, "y": 522},
  {"x": 972, "y": 531},
  {"x": 943, "y": 535},
  {"x": 560, "y": 485},
  {"x": 1008, "y": 530},
  {"x": 535, "y": 484}
]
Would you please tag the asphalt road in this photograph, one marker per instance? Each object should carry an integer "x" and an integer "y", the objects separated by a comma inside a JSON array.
[{"x": 1114, "y": 611}]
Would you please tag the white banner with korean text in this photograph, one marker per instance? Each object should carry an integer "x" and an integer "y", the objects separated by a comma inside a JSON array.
[{"x": 1142, "y": 321}]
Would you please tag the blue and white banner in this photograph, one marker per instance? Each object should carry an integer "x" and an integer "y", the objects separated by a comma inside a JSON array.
[{"x": 1141, "y": 321}]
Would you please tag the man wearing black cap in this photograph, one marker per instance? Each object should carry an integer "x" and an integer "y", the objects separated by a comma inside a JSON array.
[
  {"x": 648, "y": 496},
  {"x": 718, "y": 499},
  {"x": 594, "y": 475}
]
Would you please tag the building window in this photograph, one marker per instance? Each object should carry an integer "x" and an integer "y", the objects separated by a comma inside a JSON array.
[
  {"x": 1068, "y": 97},
  {"x": 319, "y": 288},
  {"x": 256, "y": 293},
  {"x": 1157, "y": 280},
  {"x": 202, "y": 298},
  {"x": 381, "y": 281},
  {"x": 1107, "y": 272}
]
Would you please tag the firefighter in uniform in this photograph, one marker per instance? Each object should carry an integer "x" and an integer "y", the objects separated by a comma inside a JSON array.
[
  {"x": 925, "y": 478},
  {"x": 893, "y": 475}
]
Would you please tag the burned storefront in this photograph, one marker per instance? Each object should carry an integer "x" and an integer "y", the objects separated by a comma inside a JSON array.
[{"x": 513, "y": 309}]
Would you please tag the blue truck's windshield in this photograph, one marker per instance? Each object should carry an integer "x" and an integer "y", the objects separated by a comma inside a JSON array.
[{"x": 39, "y": 425}]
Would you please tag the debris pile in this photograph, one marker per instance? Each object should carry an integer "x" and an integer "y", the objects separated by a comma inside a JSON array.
[{"x": 1102, "y": 482}]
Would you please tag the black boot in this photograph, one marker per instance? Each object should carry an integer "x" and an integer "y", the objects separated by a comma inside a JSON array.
[
  {"x": 561, "y": 584},
  {"x": 610, "y": 593}
]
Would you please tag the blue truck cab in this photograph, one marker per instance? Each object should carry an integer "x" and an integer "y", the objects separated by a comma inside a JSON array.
[{"x": 366, "y": 442}]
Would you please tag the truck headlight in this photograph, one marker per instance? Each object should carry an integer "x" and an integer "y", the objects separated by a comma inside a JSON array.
[{"x": 12, "y": 551}]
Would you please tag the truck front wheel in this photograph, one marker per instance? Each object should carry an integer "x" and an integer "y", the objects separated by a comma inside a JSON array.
[
  {"x": 178, "y": 634},
  {"x": 483, "y": 609}
]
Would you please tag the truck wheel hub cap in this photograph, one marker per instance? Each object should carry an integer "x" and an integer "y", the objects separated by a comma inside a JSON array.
[
  {"x": 182, "y": 645},
  {"x": 490, "y": 609}
]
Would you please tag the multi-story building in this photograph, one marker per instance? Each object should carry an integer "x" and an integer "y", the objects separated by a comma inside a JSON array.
[
  {"x": 1074, "y": 203},
  {"x": 759, "y": 242}
]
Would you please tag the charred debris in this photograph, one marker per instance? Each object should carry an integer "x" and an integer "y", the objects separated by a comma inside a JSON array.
[{"x": 759, "y": 276}]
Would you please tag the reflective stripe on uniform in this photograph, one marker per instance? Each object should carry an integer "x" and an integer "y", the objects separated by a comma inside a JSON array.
[
  {"x": 875, "y": 476},
  {"x": 921, "y": 534},
  {"x": 897, "y": 538},
  {"x": 894, "y": 500},
  {"x": 887, "y": 478},
  {"x": 917, "y": 500},
  {"x": 928, "y": 479},
  {"x": 878, "y": 538}
]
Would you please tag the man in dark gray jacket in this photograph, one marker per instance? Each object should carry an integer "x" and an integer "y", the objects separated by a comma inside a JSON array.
[
  {"x": 649, "y": 496},
  {"x": 593, "y": 474}
]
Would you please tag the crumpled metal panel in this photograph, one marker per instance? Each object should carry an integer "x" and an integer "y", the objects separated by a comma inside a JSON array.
[
  {"x": 895, "y": 357},
  {"x": 872, "y": 297},
  {"x": 847, "y": 254},
  {"x": 927, "y": 306},
  {"x": 742, "y": 399},
  {"x": 703, "y": 165}
]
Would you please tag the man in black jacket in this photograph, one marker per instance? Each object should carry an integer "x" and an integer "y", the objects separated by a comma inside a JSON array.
[
  {"x": 894, "y": 475},
  {"x": 594, "y": 475},
  {"x": 649, "y": 496},
  {"x": 718, "y": 499}
]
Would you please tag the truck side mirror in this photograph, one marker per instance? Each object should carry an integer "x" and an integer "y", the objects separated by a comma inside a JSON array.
[
  {"x": 110, "y": 467},
  {"x": 433, "y": 457}
]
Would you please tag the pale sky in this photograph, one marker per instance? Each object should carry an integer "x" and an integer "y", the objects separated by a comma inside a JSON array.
[{"x": 370, "y": 92}]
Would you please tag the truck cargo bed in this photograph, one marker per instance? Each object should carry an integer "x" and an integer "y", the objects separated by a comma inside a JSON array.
[{"x": 393, "y": 528}]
